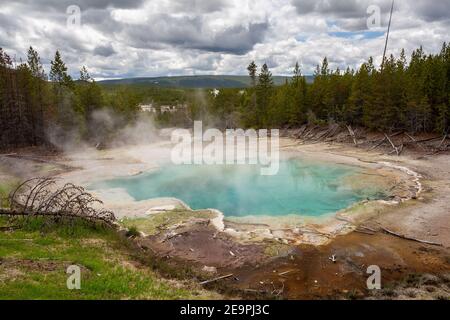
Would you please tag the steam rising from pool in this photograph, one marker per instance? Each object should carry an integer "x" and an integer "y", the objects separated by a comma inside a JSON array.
[{"x": 300, "y": 188}]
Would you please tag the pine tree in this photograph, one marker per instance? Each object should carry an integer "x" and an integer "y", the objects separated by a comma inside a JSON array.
[
  {"x": 320, "y": 94},
  {"x": 38, "y": 94},
  {"x": 359, "y": 98},
  {"x": 252, "y": 69},
  {"x": 34, "y": 63},
  {"x": 263, "y": 95},
  {"x": 297, "y": 109},
  {"x": 297, "y": 74},
  {"x": 68, "y": 113},
  {"x": 58, "y": 72},
  {"x": 84, "y": 75},
  {"x": 89, "y": 98}
]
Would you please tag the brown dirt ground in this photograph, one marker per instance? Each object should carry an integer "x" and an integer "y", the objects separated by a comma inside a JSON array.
[{"x": 309, "y": 273}]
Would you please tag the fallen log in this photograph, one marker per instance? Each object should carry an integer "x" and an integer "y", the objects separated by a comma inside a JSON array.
[
  {"x": 400, "y": 150},
  {"x": 336, "y": 129},
  {"x": 396, "y": 150},
  {"x": 324, "y": 134},
  {"x": 415, "y": 141},
  {"x": 411, "y": 137},
  {"x": 367, "y": 228},
  {"x": 59, "y": 214},
  {"x": 352, "y": 134},
  {"x": 442, "y": 142},
  {"x": 216, "y": 279},
  {"x": 329, "y": 133},
  {"x": 285, "y": 273},
  {"x": 301, "y": 131},
  {"x": 308, "y": 133},
  {"x": 364, "y": 232},
  {"x": 410, "y": 238},
  {"x": 426, "y": 140},
  {"x": 41, "y": 197},
  {"x": 378, "y": 144},
  {"x": 255, "y": 291}
]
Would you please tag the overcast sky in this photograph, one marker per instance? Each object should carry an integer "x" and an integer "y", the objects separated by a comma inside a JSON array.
[{"x": 134, "y": 38}]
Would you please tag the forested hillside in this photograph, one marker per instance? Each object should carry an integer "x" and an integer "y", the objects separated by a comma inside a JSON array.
[
  {"x": 37, "y": 109},
  {"x": 403, "y": 94},
  {"x": 194, "y": 82}
]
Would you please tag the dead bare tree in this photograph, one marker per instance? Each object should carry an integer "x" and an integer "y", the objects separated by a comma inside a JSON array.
[{"x": 41, "y": 197}]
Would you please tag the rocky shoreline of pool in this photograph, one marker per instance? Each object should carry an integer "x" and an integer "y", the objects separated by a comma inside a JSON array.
[{"x": 402, "y": 183}]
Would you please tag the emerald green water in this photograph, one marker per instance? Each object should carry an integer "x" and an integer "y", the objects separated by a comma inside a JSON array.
[{"x": 302, "y": 188}]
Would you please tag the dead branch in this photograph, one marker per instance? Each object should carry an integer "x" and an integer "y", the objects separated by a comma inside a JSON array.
[
  {"x": 428, "y": 140},
  {"x": 301, "y": 131},
  {"x": 415, "y": 141},
  {"x": 278, "y": 292},
  {"x": 411, "y": 137},
  {"x": 400, "y": 149},
  {"x": 364, "y": 232},
  {"x": 396, "y": 150},
  {"x": 286, "y": 272},
  {"x": 409, "y": 238},
  {"x": 216, "y": 279},
  {"x": 442, "y": 142},
  {"x": 255, "y": 291},
  {"x": 352, "y": 134},
  {"x": 328, "y": 133},
  {"x": 378, "y": 144},
  {"x": 369, "y": 229},
  {"x": 171, "y": 236},
  {"x": 42, "y": 197},
  {"x": 396, "y": 134}
]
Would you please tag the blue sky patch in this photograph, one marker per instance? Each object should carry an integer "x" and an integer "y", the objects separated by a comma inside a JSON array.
[{"x": 358, "y": 34}]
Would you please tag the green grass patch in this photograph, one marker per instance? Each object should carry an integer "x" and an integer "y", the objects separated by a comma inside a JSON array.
[
  {"x": 34, "y": 260},
  {"x": 5, "y": 188},
  {"x": 151, "y": 224}
]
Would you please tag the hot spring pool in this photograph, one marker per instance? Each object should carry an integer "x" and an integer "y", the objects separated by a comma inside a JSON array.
[{"x": 300, "y": 188}]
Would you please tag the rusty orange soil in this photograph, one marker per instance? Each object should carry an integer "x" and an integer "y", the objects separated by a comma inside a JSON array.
[
  {"x": 311, "y": 273},
  {"x": 299, "y": 272}
]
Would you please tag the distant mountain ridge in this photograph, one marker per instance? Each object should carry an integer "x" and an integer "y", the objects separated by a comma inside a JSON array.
[{"x": 206, "y": 82}]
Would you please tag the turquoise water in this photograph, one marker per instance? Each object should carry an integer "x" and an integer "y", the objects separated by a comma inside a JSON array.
[{"x": 303, "y": 188}]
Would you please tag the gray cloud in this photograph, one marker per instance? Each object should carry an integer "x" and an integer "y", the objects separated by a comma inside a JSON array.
[
  {"x": 341, "y": 9},
  {"x": 351, "y": 15},
  {"x": 175, "y": 37},
  {"x": 193, "y": 33},
  {"x": 432, "y": 11},
  {"x": 198, "y": 6},
  {"x": 104, "y": 51},
  {"x": 62, "y": 5}
]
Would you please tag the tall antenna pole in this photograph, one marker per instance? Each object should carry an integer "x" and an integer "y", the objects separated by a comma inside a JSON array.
[{"x": 387, "y": 35}]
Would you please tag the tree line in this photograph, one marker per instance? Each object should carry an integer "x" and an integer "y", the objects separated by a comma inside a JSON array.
[
  {"x": 40, "y": 109},
  {"x": 403, "y": 94},
  {"x": 412, "y": 95}
]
